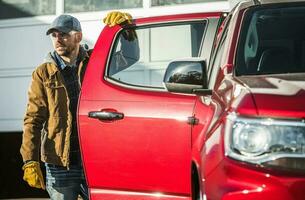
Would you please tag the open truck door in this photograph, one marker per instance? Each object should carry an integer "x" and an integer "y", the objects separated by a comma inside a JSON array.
[{"x": 136, "y": 137}]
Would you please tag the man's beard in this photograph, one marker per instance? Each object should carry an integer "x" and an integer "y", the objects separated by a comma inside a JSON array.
[{"x": 66, "y": 51}]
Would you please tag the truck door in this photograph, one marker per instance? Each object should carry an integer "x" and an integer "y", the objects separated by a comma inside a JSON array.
[{"x": 135, "y": 136}]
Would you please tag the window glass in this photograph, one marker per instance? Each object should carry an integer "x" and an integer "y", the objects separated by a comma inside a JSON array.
[
  {"x": 98, "y": 5},
  {"x": 221, "y": 33},
  {"x": 143, "y": 61},
  {"x": 26, "y": 8},
  {"x": 272, "y": 41},
  {"x": 174, "y": 2},
  {"x": 217, "y": 62}
]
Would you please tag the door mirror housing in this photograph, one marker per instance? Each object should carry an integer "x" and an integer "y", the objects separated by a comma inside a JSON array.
[{"x": 186, "y": 76}]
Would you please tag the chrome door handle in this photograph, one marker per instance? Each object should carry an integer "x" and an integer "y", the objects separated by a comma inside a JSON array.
[{"x": 105, "y": 115}]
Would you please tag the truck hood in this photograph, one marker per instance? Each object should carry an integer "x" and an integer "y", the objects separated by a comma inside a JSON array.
[{"x": 277, "y": 95}]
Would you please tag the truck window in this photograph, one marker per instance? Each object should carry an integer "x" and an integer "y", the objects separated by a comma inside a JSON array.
[
  {"x": 142, "y": 61},
  {"x": 272, "y": 41},
  {"x": 217, "y": 59}
]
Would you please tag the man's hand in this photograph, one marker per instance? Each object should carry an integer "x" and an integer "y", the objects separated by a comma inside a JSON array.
[
  {"x": 115, "y": 17},
  {"x": 33, "y": 175}
]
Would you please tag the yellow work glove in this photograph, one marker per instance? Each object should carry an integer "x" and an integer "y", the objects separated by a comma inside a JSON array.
[
  {"x": 115, "y": 17},
  {"x": 33, "y": 175}
]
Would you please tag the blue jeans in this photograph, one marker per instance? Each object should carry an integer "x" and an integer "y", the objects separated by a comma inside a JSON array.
[{"x": 63, "y": 184}]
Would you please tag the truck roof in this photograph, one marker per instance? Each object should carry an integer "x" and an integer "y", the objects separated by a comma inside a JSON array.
[{"x": 247, "y": 3}]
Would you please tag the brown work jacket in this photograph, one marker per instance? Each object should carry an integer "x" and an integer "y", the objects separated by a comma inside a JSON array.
[{"x": 48, "y": 121}]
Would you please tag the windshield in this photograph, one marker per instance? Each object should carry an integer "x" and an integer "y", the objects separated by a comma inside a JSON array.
[{"x": 272, "y": 41}]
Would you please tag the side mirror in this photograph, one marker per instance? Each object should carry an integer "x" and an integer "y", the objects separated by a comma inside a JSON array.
[{"x": 186, "y": 76}]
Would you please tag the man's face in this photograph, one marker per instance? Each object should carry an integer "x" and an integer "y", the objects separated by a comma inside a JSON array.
[{"x": 65, "y": 43}]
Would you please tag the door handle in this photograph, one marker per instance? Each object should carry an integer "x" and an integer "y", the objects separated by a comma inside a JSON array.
[{"x": 106, "y": 115}]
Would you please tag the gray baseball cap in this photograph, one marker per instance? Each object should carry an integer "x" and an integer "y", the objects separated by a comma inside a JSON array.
[{"x": 65, "y": 24}]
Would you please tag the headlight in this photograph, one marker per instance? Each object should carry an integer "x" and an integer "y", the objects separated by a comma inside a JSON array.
[
  {"x": 250, "y": 140},
  {"x": 266, "y": 142}
]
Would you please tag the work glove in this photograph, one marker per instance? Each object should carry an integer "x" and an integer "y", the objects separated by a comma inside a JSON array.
[
  {"x": 33, "y": 174},
  {"x": 115, "y": 17}
]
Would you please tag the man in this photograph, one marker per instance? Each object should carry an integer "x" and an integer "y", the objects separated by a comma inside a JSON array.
[{"x": 50, "y": 129}]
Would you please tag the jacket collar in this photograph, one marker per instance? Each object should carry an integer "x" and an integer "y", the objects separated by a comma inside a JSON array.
[{"x": 56, "y": 66}]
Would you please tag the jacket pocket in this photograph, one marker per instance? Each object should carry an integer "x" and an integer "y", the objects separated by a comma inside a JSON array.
[
  {"x": 57, "y": 97},
  {"x": 53, "y": 83},
  {"x": 53, "y": 139}
]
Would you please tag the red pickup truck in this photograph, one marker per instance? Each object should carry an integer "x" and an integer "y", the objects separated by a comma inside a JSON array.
[{"x": 198, "y": 106}]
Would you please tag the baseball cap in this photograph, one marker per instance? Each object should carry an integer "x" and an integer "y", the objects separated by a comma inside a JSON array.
[{"x": 65, "y": 24}]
